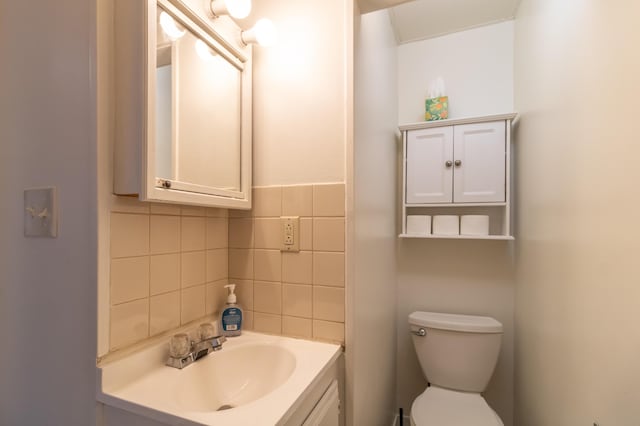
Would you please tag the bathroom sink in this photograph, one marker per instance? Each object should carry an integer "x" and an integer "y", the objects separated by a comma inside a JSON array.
[
  {"x": 254, "y": 379},
  {"x": 231, "y": 378}
]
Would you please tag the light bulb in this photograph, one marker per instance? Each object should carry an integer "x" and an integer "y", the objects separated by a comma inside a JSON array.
[
  {"x": 239, "y": 8},
  {"x": 236, "y": 8},
  {"x": 263, "y": 33},
  {"x": 170, "y": 27},
  {"x": 204, "y": 51}
]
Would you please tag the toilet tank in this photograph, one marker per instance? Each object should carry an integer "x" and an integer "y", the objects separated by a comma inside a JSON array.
[{"x": 457, "y": 352}]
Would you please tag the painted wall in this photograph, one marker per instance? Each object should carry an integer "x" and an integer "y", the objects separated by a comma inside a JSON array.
[
  {"x": 299, "y": 94},
  {"x": 48, "y": 286},
  {"x": 577, "y": 66},
  {"x": 371, "y": 296},
  {"x": 476, "y": 65},
  {"x": 468, "y": 277}
]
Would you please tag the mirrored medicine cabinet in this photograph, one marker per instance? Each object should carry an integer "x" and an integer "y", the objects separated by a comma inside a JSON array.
[{"x": 182, "y": 106}]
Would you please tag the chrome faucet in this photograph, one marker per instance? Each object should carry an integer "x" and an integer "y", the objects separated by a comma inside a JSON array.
[{"x": 183, "y": 351}]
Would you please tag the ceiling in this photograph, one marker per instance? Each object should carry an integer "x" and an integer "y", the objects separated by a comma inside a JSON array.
[{"x": 422, "y": 19}]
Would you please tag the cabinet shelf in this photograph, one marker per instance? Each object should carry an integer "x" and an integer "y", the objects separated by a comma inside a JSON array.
[
  {"x": 468, "y": 160},
  {"x": 460, "y": 237}
]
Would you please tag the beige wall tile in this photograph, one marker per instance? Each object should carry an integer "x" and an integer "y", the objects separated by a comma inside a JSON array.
[
  {"x": 328, "y": 331},
  {"x": 240, "y": 213},
  {"x": 297, "y": 200},
  {"x": 215, "y": 297},
  {"x": 193, "y": 233},
  {"x": 297, "y": 300},
  {"x": 328, "y": 234},
  {"x": 165, "y": 273},
  {"x": 241, "y": 233},
  {"x": 129, "y": 279},
  {"x": 241, "y": 264},
  {"x": 267, "y": 201},
  {"x": 328, "y": 200},
  {"x": 328, "y": 303},
  {"x": 123, "y": 204},
  {"x": 267, "y": 265},
  {"x": 247, "y": 320},
  {"x": 192, "y": 211},
  {"x": 129, "y": 235},
  {"x": 217, "y": 264},
  {"x": 267, "y": 323},
  {"x": 129, "y": 323},
  {"x": 267, "y": 233},
  {"x": 167, "y": 209},
  {"x": 216, "y": 212},
  {"x": 244, "y": 290},
  {"x": 297, "y": 327},
  {"x": 267, "y": 297},
  {"x": 217, "y": 232},
  {"x": 306, "y": 233},
  {"x": 193, "y": 304},
  {"x": 164, "y": 312},
  {"x": 165, "y": 234},
  {"x": 297, "y": 267},
  {"x": 193, "y": 268},
  {"x": 328, "y": 268}
]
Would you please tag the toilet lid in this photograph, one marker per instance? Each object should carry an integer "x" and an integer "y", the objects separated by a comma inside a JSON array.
[{"x": 442, "y": 407}]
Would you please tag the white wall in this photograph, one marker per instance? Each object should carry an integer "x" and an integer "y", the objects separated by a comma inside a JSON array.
[
  {"x": 48, "y": 286},
  {"x": 476, "y": 65},
  {"x": 468, "y": 277},
  {"x": 371, "y": 310},
  {"x": 578, "y": 309},
  {"x": 299, "y": 94}
]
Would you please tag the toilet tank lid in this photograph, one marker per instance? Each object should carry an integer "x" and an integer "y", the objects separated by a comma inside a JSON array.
[{"x": 455, "y": 322}]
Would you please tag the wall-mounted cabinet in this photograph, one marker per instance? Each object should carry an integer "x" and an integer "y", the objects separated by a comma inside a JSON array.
[{"x": 458, "y": 167}]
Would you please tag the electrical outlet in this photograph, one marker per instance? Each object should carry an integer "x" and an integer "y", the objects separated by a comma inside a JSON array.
[{"x": 290, "y": 233}]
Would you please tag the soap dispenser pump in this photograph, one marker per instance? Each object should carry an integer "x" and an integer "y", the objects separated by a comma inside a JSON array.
[{"x": 231, "y": 317}]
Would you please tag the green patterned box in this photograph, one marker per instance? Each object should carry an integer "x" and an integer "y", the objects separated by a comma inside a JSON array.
[{"x": 436, "y": 108}]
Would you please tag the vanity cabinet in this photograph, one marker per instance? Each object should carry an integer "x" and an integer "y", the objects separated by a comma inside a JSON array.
[{"x": 458, "y": 167}]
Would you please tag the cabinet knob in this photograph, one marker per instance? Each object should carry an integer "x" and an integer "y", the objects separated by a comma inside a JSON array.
[
  {"x": 458, "y": 163},
  {"x": 448, "y": 163}
]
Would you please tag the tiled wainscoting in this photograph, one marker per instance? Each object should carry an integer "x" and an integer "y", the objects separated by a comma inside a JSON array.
[
  {"x": 296, "y": 294},
  {"x": 169, "y": 264}
]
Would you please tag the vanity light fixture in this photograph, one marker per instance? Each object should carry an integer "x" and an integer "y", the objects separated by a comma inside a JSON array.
[
  {"x": 263, "y": 33},
  {"x": 170, "y": 27},
  {"x": 204, "y": 52},
  {"x": 235, "y": 8}
]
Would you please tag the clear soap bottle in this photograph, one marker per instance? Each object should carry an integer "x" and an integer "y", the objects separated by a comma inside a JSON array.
[{"x": 231, "y": 316}]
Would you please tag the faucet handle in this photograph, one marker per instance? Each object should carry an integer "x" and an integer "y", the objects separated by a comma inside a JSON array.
[
  {"x": 179, "y": 345},
  {"x": 206, "y": 331}
]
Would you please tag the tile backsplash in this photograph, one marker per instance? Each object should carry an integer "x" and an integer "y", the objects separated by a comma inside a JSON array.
[{"x": 169, "y": 264}]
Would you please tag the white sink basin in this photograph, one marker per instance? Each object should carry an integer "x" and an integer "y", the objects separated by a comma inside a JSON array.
[
  {"x": 233, "y": 377},
  {"x": 255, "y": 379}
]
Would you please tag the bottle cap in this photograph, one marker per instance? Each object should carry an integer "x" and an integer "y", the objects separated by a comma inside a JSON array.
[{"x": 231, "y": 298}]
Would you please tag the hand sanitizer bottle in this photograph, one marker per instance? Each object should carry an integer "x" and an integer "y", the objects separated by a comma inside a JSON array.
[{"x": 231, "y": 317}]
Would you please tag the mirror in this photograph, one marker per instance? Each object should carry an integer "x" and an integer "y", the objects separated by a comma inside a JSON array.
[{"x": 196, "y": 121}]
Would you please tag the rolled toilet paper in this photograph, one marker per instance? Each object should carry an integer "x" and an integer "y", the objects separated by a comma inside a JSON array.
[
  {"x": 474, "y": 224},
  {"x": 418, "y": 224},
  {"x": 446, "y": 225}
]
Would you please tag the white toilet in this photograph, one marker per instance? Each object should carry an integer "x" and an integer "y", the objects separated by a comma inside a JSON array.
[{"x": 457, "y": 354}]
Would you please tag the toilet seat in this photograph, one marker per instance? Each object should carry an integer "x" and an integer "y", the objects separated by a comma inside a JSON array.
[{"x": 442, "y": 407}]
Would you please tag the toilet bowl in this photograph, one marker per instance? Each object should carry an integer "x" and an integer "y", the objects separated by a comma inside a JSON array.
[{"x": 458, "y": 354}]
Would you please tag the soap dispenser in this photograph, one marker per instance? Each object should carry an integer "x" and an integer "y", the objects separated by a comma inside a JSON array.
[{"x": 231, "y": 317}]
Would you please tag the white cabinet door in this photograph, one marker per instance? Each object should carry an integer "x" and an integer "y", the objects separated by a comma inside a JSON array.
[
  {"x": 479, "y": 162},
  {"x": 429, "y": 158}
]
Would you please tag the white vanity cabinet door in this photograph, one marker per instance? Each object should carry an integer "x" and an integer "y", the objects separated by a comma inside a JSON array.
[
  {"x": 429, "y": 159},
  {"x": 479, "y": 162}
]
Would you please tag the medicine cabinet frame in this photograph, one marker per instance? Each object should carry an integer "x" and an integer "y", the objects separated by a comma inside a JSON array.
[{"x": 135, "y": 59}]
